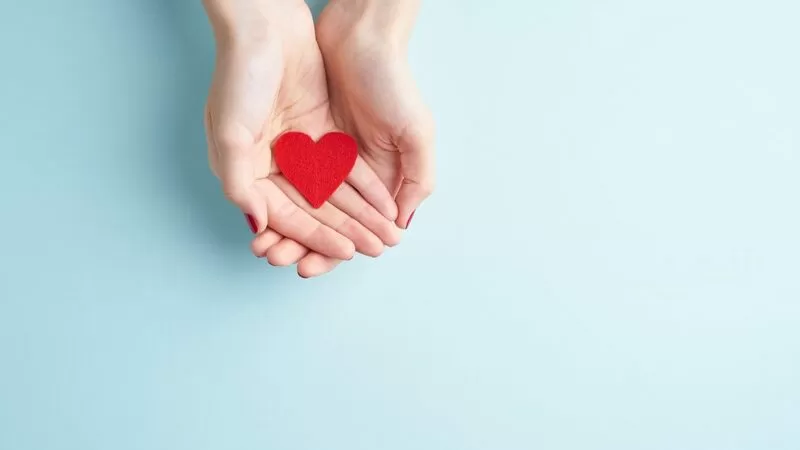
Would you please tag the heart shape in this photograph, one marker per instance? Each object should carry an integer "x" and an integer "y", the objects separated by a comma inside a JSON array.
[{"x": 316, "y": 169}]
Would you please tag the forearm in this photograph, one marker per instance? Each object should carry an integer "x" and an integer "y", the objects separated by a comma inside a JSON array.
[
  {"x": 391, "y": 19},
  {"x": 248, "y": 20}
]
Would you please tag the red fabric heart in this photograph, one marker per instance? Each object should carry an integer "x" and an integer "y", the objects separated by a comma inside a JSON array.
[{"x": 316, "y": 169}]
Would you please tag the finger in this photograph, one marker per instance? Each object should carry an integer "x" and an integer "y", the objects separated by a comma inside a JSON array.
[
  {"x": 286, "y": 252},
  {"x": 354, "y": 205},
  {"x": 372, "y": 189},
  {"x": 314, "y": 265},
  {"x": 365, "y": 241},
  {"x": 264, "y": 242},
  {"x": 417, "y": 167},
  {"x": 292, "y": 222}
]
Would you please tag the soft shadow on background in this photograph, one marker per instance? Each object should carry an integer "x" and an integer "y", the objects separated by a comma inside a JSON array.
[
  {"x": 184, "y": 24},
  {"x": 185, "y": 172},
  {"x": 609, "y": 262}
]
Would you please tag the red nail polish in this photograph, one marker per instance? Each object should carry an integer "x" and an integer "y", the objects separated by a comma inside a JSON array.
[
  {"x": 251, "y": 221},
  {"x": 410, "y": 217}
]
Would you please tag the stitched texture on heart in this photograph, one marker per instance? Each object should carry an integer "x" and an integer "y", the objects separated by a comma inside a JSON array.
[{"x": 316, "y": 169}]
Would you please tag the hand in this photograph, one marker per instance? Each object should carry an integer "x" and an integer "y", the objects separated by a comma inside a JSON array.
[
  {"x": 374, "y": 97},
  {"x": 269, "y": 78}
]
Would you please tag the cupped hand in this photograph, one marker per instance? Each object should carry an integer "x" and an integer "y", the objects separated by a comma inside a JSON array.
[
  {"x": 270, "y": 78},
  {"x": 374, "y": 98},
  {"x": 373, "y": 95}
]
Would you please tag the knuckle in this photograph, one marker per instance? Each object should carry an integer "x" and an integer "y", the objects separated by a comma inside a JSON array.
[
  {"x": 234, "y": 191},
  {"x": 366, "y": 214},
  {"x": 347, "y": 227},
  {"x": 317, "y": 233},
  {"x": 426, "y": 187},
  {"x": 286, "y": 211}
]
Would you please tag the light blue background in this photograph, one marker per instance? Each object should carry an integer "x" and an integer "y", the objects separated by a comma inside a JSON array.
[{"x": 611, "y": 260}]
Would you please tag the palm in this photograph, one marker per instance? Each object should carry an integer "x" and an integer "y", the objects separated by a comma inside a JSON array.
[
  {"x": 296, "y": 98},
  {"x": 373, "y": 97},
  {"x": 267, "y": 80},
  {"x": 366, "y": 102},
  {"x": 261, "y": 89}
]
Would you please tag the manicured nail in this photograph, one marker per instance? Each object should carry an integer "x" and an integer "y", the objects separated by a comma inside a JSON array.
[
  {"x": 409, "y": 218},
  {"x": 251, "y": 221}
]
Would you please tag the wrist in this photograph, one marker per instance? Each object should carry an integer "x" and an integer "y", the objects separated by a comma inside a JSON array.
[
  {"x": 382, "y": 22},
  {"x": 244, "y": 22}
]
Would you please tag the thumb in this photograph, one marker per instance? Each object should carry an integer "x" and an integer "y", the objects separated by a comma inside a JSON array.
[
  {"x": 417, "y": 169},
  {"x": 236, "y": 111},
  {"x": 236, "y": 169}
]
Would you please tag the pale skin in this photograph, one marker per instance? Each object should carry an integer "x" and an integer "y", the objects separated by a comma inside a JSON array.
[{"x": 270, "y": 78}]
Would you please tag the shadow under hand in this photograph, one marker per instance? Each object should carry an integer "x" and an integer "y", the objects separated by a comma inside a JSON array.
[{"x": 185, "y": 169}]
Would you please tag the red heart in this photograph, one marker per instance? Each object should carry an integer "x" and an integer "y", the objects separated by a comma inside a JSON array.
[{"x": 316, "y": 169}]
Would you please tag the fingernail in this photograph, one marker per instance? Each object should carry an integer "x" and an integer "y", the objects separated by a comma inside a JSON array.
[
  {"x": 410, "y": 217},
  {"x": 251, "y": 221}
]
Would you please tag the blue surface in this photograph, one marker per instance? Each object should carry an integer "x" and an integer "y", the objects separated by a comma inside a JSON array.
[{"x": 611, "y": 260}]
